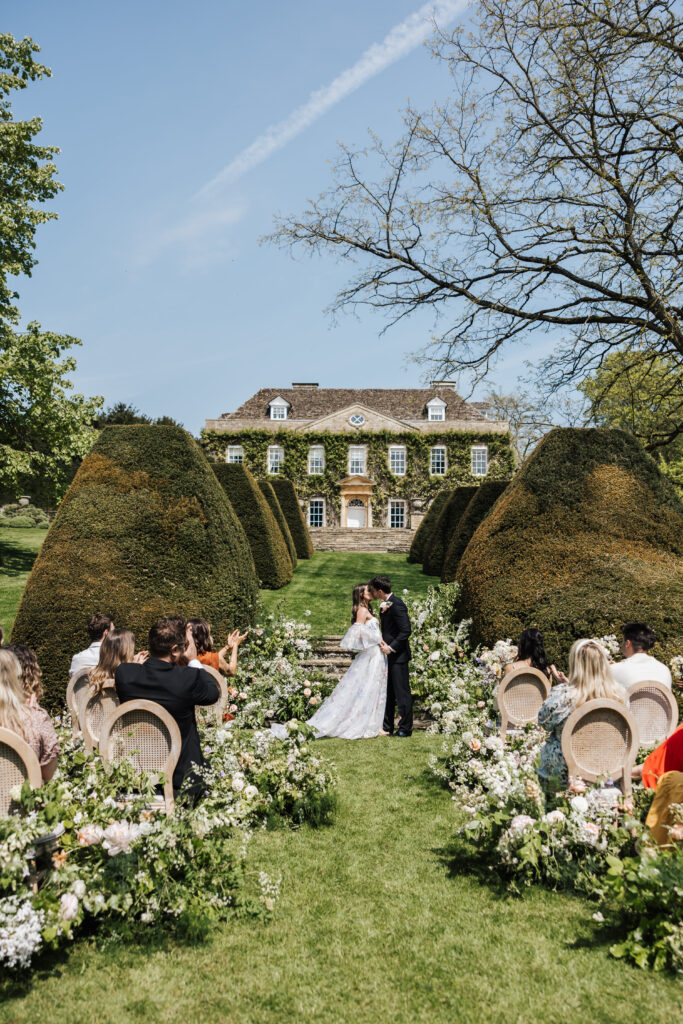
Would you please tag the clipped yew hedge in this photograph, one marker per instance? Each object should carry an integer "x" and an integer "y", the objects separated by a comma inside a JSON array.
[
  {"x": 271, "y": 558},
  {"x": 588, "y": 535},
  {"x": 444, "y": 527},
  {"x": 480, "y": 504},
  {"x": 145, "y": 530},
  {"x": 271, "y": 497},
  {"x": 423, "y": 534},
  {"x": 291, "y": 509}
]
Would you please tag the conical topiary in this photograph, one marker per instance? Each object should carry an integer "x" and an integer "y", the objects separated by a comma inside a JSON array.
[
  {"x": 145, "y": 530},
  {"x": 444, "y": 527},
  {"x": 588, "y": 535},
  {"x": 481, "y": 502},
  {"x": 423, "y": 534},
  {"x": 291, "y": 509},
  {"x": 271, "y": 558},
  {"x": 271, "y": 497}
]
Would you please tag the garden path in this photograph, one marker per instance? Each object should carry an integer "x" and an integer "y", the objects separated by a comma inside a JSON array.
[{"x": 373, "y": 925}]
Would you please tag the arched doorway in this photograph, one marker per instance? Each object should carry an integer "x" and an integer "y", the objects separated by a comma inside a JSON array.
[
  {"x": 356, "y": 508},
  {"x": 356, "y": 513}
]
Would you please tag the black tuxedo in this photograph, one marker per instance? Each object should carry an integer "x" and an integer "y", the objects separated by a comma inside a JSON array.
[
  {"x": 178, "y": 689},
  {"x": 396, "y": 629}
]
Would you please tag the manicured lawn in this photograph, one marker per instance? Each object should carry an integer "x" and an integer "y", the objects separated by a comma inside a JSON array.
[
  {"x": 18, "y": 549},
  {"x": 323, "y": 585},
  {"x": 374, "y": 924}
]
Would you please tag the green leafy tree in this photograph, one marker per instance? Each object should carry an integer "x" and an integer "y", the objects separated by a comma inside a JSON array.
[
  {"x": 123, "y": 414},
  {"x": 43, "y": 425}
]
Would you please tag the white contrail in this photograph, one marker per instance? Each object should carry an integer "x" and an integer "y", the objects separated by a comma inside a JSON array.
[{"x": 402, "y": 38}]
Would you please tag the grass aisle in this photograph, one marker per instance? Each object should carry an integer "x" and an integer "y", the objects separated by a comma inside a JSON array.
[
  {"x": 371, "y": 927},
  {"x": 18, "y": 549}
]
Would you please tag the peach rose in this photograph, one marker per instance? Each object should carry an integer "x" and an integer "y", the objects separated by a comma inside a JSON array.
[
  {"x": 475, "y": 744},
  {"x": 676, "y": 833}
]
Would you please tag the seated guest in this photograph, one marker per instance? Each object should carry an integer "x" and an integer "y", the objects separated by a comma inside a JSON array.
[
  {"x": 179, "y": 688},
  {"x": 97, "y": 628},
  {"x": 118, "y": 648},
  {"x": 531, "y": 653},
  {"x": 31, "y": 674},
  {"x": 660, "y": 817},
  {"x": 639, "y": 666},
  {"x": 589, "y": 679},
  {"x": 27, "y": 720},
  {"x": 201, "y": 631},
  {"x": 667, "y": 757}
]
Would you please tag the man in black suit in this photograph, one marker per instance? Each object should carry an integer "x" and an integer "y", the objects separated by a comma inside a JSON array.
[
  {"x": 396, "y": 628},
  {"x": 171, "y": 676}
]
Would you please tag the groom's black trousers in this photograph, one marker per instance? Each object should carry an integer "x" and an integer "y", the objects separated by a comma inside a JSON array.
[{"x": 398, "y": 693}]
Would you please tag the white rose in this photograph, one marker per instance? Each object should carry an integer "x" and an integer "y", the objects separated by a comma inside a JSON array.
[
  {"x": 238, "y": 783},
  {"x": 579, "y": 804},
  {"x": 79, "y": 888},
  {"x": 250, "y": 792},
  {"x": 435, "y": 655},
  {"x": 15, "y": 793},
  {"x": 554, "y": 816},
  {"x": 68, "y": 906}
]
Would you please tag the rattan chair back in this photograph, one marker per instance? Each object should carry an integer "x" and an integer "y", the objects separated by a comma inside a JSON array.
[
  {"x": 74, "y": 691},
  {"x": 95, "y": 710},
  {"x": 146, "y": 734},
  {"x": 214, "y": 712},
  {"x": 18, "y": 762},
  {"x": 519, "y": 696},
  {"x": 655, "y": 710},
  {"x": 600, "y": 740}
]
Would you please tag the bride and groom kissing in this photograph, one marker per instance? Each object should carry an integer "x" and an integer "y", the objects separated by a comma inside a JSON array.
[{"x": 364, "y": 702}]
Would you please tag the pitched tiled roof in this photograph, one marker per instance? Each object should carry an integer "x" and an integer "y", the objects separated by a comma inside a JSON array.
[{"x": 311, "y": 403}]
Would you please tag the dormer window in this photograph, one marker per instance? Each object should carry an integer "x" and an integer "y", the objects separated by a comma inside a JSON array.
[
  {"x": 278, "y": 408},
  {"x": 436, "y": 409}
]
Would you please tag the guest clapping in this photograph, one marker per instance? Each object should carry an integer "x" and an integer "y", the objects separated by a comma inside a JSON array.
[
  {"x": 531, "y": 653},
  {"x": 117, "y": 648},
  {"x": 589, "y": 679},
  {"x": 21, "y": 713},
  {"x": 201, "y": 631}
]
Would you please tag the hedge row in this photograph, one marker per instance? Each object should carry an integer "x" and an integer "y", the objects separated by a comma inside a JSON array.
[
  {"x": 480, "y": 504},
  {"x": 423, "y": 534},
  {"x": 268, "y": 547},
  {"x": 270, "y": 496},
  {"x": 145, "y": 530},
  {"x": 588, "y": 535},
  {"x": 445, "y": 526},
  {"x": 291, "y": 509}
]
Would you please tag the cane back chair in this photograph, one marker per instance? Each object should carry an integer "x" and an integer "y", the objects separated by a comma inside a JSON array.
[
  {"x": 519, "y": 697},
  {"x": 74, "y": 692},
  {"x": 146, "y": 733},
  {"x": 214, "y": 712},
  {"x": 18, "y": 762},
  {"x": 655, "y": 710},
  {"x": 95, "y": 710},
  {"x": 600, "y": 739}
]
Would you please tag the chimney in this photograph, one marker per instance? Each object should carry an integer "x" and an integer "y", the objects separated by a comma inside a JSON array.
[
  {"x": 450, "y": 384},
  {"x": 303, "y": 386}
]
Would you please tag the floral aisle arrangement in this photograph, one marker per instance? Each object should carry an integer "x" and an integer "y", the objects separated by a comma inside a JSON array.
[{"x": 93, "y": 848}]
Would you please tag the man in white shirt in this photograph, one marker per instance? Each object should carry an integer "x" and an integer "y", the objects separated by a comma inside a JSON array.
[
  {"x": 639, "y": 666},
  {"x": 98, "y": 627}
]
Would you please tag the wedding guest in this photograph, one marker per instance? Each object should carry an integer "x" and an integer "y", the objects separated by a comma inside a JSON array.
[
  {"x": 201, "y": 631},
  {"x": 117, "y": 648},
  {"x": 639, "y": 666},
  {"x": 589, "y": 679},
  {"x": 667, "y": 757},
  {"x": 98, "y": 626},
  {"x": 531, "y": 653},
  {"x": 661, "y": 816},
  {"x": 31, "y": 674},
  {"x": 27, "y": 720},
  {"x": 178, "y": 687}
]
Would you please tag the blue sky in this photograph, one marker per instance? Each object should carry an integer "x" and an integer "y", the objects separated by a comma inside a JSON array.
[{"x": 181, "y": 311}]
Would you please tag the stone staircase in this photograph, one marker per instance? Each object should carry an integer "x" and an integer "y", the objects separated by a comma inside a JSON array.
[{"x": 370, "y": 540}]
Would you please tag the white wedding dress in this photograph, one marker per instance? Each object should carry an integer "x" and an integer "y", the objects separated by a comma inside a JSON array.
[{"x": 355, "y": 708}]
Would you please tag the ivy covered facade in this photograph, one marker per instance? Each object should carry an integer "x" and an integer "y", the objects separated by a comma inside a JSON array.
[{"x": 361, "y": 457}]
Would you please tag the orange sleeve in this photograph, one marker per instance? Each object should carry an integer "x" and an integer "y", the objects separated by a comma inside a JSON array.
[
  {"x": 667, "y": 757},
  {"x": 210, "y": 659}
]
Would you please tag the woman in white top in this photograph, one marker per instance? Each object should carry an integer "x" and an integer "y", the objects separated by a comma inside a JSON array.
[{"x": 355, "y": 708}]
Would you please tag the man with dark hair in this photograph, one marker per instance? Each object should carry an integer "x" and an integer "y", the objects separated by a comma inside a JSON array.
[
  {"x": 638, "y": 666},
  {"x": 396, "y": 629},
  {"x": 174, "y": 678},
  {"x": 99, "y": 625}
]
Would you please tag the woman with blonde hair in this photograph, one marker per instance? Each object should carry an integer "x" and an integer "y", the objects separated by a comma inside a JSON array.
[
  {"x": 590, "y": 678},
  {"x": 27, "y": 720},
  {"x": 118, "y": 648}
]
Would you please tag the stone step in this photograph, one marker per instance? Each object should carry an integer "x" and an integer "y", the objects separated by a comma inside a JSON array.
[
  {"x": 367, "y": 540},
  {"x": 330, "y": 662}
]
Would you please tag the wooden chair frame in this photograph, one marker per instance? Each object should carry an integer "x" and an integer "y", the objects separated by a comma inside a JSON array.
[
  {"x": 26, "y": 755},
  {"x": 90, "y": 740},
  {"x": 72, "y": 698},
  {"x": 217, "y": 708},
  {"x": 169, "y": 723},
  {"x": 667, "y": 697},
  {"x": 622, "y": 771},
  {"x": 507, "y": 716}
]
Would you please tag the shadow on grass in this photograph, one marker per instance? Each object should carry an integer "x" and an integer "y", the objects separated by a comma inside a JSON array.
[{"x": 14, "y": 560}]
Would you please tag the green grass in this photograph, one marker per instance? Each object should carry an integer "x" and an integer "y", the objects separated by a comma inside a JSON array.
[
  {"x": 374, "y": 924},
  {"x": 324, "y": 584},
  {"x": 18, "y": 549}
]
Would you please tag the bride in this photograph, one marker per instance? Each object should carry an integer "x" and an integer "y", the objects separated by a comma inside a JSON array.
[{"x": 355, "y": 708}]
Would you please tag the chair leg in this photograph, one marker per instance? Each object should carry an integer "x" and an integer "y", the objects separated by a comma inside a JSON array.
[{"x": 503, "y": 725}]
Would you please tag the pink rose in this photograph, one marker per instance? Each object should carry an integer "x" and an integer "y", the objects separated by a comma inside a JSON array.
[
  {"x": 475, "y": 744},
  {"x": 676, "y": 833}
]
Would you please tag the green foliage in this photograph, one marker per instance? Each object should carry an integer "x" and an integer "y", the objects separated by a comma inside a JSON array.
[
  {"x": 145, "y": 530},
  {"x": 417, "y": 482},
  {"x": 291, "y": 509},
  {"x": 35, "y": 516},
  {"x": 271, "y": 497},
  {"x": 423, "y": 534},
  {"x": 123, "y": 414},
  {"x": 268, "y": 547},
  {"x": 444, "y": 528},
  {"x": 587, "y": 536},
  {"x": 479, "y": 506}
]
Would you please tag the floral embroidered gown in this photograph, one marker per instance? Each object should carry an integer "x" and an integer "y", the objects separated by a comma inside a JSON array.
[{"x": 355, "y": 708}]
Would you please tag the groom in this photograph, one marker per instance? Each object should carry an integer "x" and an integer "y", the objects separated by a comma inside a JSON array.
[{"x": 396, "y": 629}]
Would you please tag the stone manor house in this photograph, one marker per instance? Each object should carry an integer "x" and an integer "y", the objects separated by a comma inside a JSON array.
[{"x": 363, "y": 459}]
